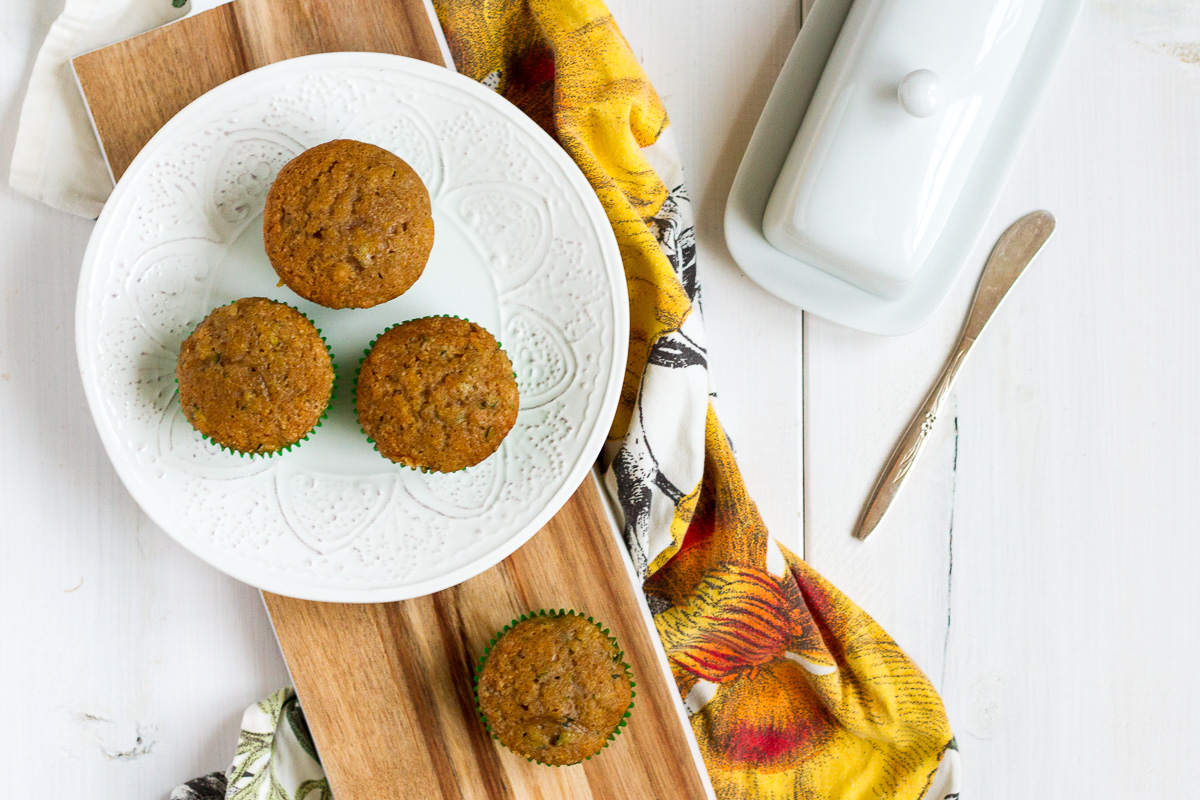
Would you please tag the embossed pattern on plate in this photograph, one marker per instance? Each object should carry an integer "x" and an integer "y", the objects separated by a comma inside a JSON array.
[{"x": 522, "y": 246}]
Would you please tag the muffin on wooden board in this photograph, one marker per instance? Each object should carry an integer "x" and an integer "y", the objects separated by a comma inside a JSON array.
[
  {"x": 436, "y": 393},
  {"x": 255, "y": 376},
  {"x": 552, "y": 687},
  {"x": 348, "y": 225}
]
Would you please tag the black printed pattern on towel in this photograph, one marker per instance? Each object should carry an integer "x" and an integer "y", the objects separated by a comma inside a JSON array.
[
  {"x": 637, "y": 471},
  {"x": 209, "y": 787},
  {"x": 676, "y": 236}
]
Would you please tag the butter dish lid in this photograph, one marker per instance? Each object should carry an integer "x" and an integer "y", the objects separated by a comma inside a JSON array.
[
  {"x": 900, "y": 114},
  {"x": 883, "y": 148}
]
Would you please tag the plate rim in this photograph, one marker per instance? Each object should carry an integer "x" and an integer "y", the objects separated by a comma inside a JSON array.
[{"x": 242, "y": 569}]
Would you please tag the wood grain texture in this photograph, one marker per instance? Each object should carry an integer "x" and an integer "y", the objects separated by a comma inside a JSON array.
[
  {"x": 134, "y": 87},
  {"x": 391, "y": 705},
  {"x": 387, "y": 687}
]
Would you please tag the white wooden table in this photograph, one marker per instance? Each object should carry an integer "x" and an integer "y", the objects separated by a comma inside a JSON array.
[{"x": 1041, "y": 566}]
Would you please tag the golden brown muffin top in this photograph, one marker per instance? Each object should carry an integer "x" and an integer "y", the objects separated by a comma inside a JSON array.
[
  {"x": 553, "y": 689},
  {"x": 347, "y": 225},
  {"x": 437, "y": 393},
  {"x": 254, "y": 376}
]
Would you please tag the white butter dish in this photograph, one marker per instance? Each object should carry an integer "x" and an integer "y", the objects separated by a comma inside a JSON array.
[{"x": 883, "y": 148}]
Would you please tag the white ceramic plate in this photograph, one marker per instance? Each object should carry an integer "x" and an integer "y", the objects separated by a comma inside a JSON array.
[{"x": 522, "y": 247}]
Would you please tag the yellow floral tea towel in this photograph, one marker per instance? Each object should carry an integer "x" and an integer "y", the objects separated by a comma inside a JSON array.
[{"x": 793, "y": 691}]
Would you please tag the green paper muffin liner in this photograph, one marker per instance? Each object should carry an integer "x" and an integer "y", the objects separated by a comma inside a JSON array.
[
  {"x": 358, "y": 371},
  {"x": 553, "y": 613},
  {"x": 324, "y": 415}
]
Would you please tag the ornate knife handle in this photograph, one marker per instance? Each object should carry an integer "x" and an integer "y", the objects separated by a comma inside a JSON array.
[{"x": 911, "y": 443}]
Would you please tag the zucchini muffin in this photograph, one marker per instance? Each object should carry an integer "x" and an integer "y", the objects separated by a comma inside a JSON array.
[
  {"x": 437, "y": 394},
  {"x": 255, "y": 376},
  {"x": 553, "y": 688},
  {"x": 348, "y": 225}
]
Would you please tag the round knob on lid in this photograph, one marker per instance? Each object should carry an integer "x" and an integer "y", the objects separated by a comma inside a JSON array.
[{"x": 920, "y": 92}]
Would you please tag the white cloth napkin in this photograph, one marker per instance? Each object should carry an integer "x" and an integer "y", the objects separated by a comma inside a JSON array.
[
  {"x": 275, "y": 759},
  {"x": 57, "y": 159}
]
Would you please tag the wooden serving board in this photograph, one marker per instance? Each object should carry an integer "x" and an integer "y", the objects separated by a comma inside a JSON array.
[{"x": 387, "y": 687}]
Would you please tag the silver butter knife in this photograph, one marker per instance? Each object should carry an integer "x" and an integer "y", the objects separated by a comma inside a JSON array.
[{"x": 1013, "y": 251}]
